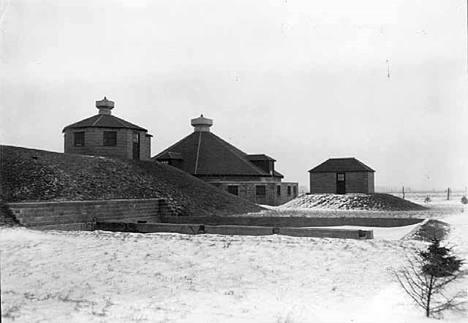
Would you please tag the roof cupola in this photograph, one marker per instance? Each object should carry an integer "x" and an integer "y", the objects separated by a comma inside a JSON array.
[
  {"x": 202, "y": 124},
  {"x": 105, "y": 106}
]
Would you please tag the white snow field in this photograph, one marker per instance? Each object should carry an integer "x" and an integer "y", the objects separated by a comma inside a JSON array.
[{"x": 129, "y": 277}]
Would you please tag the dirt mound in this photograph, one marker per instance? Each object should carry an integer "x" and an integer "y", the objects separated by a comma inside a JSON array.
[
  {"x": 367, "y": 202},
  {"x": 35, "y": 175}
]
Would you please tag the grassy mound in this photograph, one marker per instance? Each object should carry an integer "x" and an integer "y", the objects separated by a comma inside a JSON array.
[
  {"x": 368, "y": 202},
  {"x": 29, "y": 175}
]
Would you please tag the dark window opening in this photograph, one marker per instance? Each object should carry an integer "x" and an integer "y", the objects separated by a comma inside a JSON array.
[
  {"x": 136, "y": 145},
  {"x": 278, "y": 190},
  {"x": 110, "y": 138},
  {"x": 289, "y": 190},
  {"x": 260, "y": 190},
  {"x": 294, "y": 190},
  {"x": 79, "y": 139},
  {"x": 233, "y": 189}
]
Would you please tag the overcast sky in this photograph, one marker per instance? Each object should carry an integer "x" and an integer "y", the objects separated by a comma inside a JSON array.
[{"x": 301, "y": 81}]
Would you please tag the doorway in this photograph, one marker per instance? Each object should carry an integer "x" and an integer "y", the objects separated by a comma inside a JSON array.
[{"x": 340, "y": 183}]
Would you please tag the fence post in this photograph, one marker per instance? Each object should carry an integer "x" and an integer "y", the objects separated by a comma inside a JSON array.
[{"x": 403, "y": 191}]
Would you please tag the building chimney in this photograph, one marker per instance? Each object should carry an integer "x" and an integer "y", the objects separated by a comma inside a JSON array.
[
  {"x": 105, "y": 106},
  {"x": 202, "y": 124}
]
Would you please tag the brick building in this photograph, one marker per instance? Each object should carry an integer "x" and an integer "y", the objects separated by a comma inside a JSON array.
[
  {"x": 106, "y": 135},
  {"x": 341, "y": 176},
  {"x": 210, "y": 158}
]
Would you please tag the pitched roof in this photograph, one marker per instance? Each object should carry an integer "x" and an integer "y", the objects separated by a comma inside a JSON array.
[
  {"x": 204, "y": 153},
  {"x": 334, "y": 165},
  {"x": 103, "y": 121}
]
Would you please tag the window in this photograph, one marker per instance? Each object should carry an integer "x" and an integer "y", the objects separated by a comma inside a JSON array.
[
  {"x": 79, "y": 139},
  {"x": 233, "y": 189},
  {"x": 340, "y": 177},
  {"x": 278, "y": 190},
  {"x": 260, "y": 190},
  {"x": 289, "y": 190},
  {"x": 136, "y": 137},
  {"x": 109, "y": 138},
  {"x": 294, "y": 190}
]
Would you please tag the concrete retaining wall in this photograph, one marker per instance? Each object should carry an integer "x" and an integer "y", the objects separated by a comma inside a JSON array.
[
  {"x": 82, "y": 215},
  {"x": 234, "y": 230},
  {"x": 294, "y": 221}
]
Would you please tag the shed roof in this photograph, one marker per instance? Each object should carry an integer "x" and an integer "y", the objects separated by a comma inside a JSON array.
[
  {"x": 334, "y": 165},
  {"x": 256, "y": 157},
  {"x": 169, "y": 155},
  {"x": 206, "y": 154},
  {"x": 103, "y": 121}
]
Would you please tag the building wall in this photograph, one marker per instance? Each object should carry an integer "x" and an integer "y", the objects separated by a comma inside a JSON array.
[
  {"x": 356, "y": 182},
  {"x": 215, "y": 178},
  {"x": 247, "y": 190},
  {"x": 145, "y": 146},
  {"x": 94, "y": 143},
  {"x": 285, "y": 196},
  {"x": 370, "y": 182},
  {"x": 323, "y": 183}
]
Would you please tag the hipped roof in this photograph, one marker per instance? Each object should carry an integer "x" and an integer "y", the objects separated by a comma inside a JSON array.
[
  {"x": 104, "y": 121},
  {"x": 334, "y": 165},
  {"x": 206, "y": 154}
]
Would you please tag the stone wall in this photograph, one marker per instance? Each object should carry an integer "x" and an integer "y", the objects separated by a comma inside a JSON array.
[
  {"x": 289, "y": 191},
  {"x": 94, "y": 143},
  {"x": 247, "y": 190},
  {"x": 80, "y": 215}
]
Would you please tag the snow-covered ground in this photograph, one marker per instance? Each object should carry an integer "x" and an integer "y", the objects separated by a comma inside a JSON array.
[{"x": 129, "y": 277}]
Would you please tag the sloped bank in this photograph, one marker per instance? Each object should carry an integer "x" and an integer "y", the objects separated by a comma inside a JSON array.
[
  {"x": 30, "y": 175},
  {"x": 364, "y": 202}
]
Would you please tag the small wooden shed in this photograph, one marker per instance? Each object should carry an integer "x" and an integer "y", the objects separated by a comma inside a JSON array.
[{"x": 341, "y": 176}]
